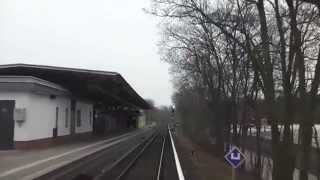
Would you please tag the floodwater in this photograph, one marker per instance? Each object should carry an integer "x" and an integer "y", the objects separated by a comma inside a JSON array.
[
  {"x": 266, "y": 133},
  {"x": 267, "y": 162}
]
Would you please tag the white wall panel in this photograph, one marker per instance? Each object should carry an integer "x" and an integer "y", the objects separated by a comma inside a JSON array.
[
  {"x": 41, "y": 115},
  {"x": 86, "y": 108}
]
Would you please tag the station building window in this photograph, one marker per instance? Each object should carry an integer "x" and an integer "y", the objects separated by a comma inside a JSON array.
[
  {"x": 55, "y": 129},
  {"x": 57, "y": 116},
  {"x": 67, "y": 118},
  {"x": 78, "y": 118}
]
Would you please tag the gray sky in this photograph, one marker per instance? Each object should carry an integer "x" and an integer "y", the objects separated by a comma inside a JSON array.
[{"x": 109, "y": 35}]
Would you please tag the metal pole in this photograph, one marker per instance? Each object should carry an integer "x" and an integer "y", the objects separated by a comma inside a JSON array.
[{"x": 233, "y": 173}]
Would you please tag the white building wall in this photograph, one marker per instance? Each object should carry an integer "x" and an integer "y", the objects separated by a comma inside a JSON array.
[
  {"x": 86, "y": 109},
  {"x": 39, "y": 120},
  {"x": 63, "y": 104},
  {"x": 22, "y": 100},
  {"x": 41, "y": 115},
  {"x": 142, "y": 120}
]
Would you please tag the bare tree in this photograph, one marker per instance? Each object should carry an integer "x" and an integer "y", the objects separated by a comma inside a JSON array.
[{"x": 238, "y": 53}]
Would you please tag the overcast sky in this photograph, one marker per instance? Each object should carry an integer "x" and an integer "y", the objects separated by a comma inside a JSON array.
[{"x": 111, "y": 35}]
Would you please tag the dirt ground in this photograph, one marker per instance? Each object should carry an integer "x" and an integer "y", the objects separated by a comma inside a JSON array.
[{"x": 199, "y": 164}]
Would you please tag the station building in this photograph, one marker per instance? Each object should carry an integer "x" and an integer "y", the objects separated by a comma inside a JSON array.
[{"x": 45, "y": 105}]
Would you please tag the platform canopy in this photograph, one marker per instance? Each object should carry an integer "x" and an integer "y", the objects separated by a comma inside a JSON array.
[{"x": 103, "y": 87}]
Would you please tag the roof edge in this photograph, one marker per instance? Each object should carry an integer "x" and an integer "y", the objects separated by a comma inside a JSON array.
[
  {"x": 33, "y": 80},
  {"x": 59, "y": 68},
  {"x": 144, "y": 103}
]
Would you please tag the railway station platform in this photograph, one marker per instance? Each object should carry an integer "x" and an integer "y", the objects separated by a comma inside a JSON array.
[{"x": 29, "y": 164}]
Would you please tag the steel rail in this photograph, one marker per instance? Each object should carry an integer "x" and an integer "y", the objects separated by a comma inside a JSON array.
[
  {"x": 132, "y": 162},
  {"x": 97, "y": 153},
  {"x": 178, "y": 165},
  {"x": 110, "y": 167},
  {"x": 161, "y": 159}
]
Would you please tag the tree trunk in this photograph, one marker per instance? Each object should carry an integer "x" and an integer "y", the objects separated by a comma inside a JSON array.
[{"x": 306, "y": 142}]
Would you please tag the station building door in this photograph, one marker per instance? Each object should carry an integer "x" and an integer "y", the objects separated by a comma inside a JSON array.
[
  {"x": 6, "y": 124},
  {"x": 73, "y": 117}
]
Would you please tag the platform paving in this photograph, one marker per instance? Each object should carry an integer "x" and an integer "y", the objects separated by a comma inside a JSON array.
[{"x": 27, "y": 164}]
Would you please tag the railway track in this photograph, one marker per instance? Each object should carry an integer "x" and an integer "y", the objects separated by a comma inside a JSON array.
[
  {"x": 154, "y": 161},
  {"x": 146, "y": 157},
  {"x": 89, "y": 166}
]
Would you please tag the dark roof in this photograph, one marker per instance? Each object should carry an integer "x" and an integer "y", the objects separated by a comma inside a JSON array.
[{"x": 105, "y": 87}]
